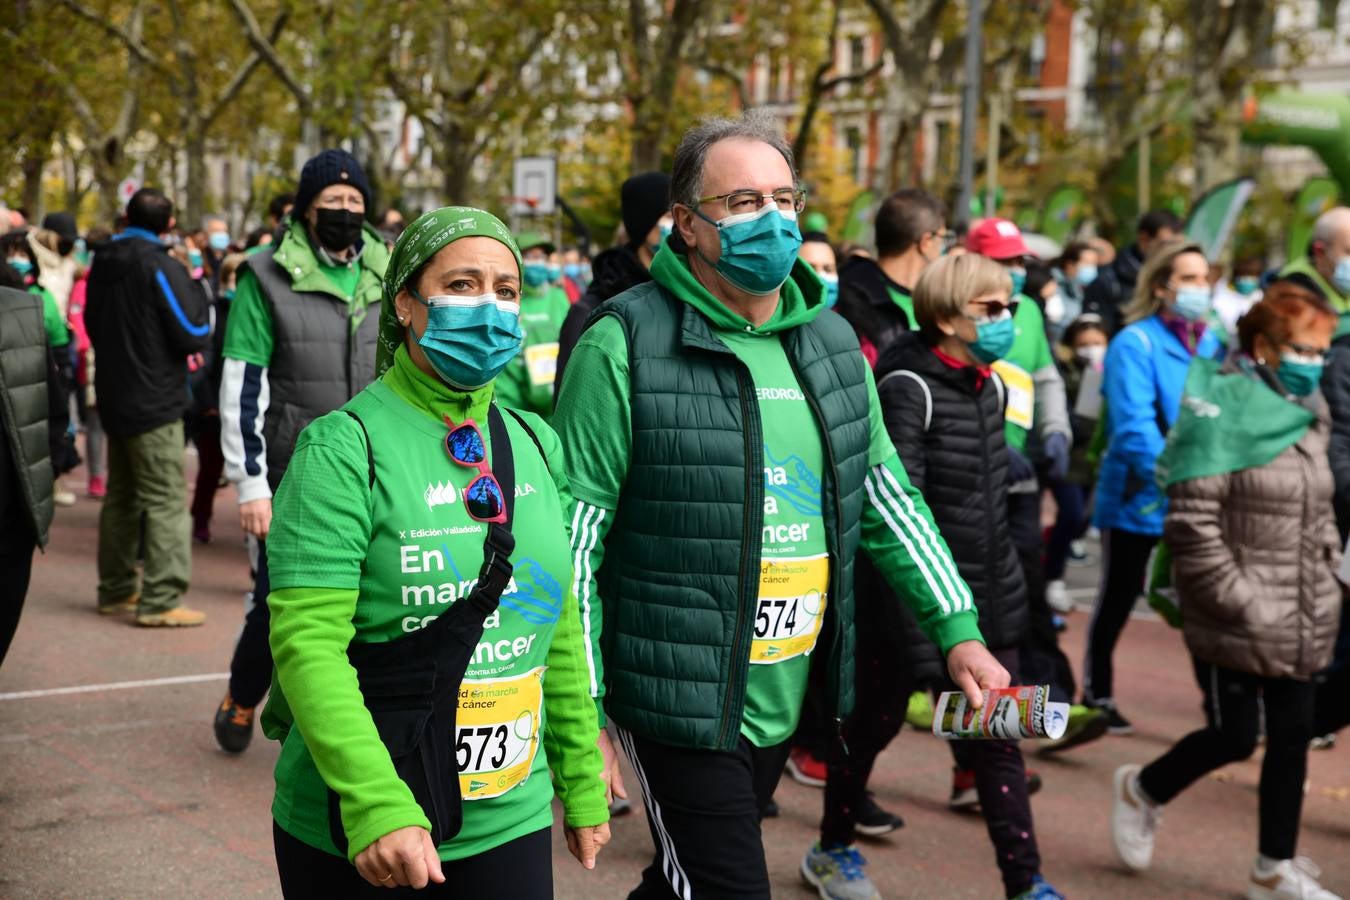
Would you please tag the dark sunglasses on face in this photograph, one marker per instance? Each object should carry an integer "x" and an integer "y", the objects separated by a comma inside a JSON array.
[{"x": 483, "y": 497}]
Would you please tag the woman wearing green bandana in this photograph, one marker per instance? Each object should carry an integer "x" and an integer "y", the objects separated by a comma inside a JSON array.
[
  {"x": 380, "y": 526},
  {"x": 1254, "y": 555}
]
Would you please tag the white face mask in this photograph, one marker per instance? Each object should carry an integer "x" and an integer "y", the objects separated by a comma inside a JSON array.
[
  {"x": 1092, "y": 355},
  {"x": 1054, "y": 308}
]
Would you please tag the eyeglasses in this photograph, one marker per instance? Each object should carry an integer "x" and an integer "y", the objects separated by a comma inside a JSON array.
[
  {"x": 483, "y": 497},
  {"x": 993, "y": 310},
  {"x": 748, "y": 201},
  {"x": 1308, "y": 350}
]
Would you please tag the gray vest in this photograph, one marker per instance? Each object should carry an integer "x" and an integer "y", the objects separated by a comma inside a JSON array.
[
  {"x": 23, "y": 402},
  {"x": 322, "y": 356}
]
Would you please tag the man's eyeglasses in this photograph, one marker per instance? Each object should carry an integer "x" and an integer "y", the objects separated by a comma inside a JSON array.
[
  {"x": 748, "y": 201},
  {"x": 483, "y": 497}
]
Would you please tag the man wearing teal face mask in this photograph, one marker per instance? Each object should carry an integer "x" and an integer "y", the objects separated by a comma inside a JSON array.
[
  {"x": 729, "y": 458},
  {"x": 527, "y": 383}
]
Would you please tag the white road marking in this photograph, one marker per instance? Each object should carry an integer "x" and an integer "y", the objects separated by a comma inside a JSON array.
[{"x": 114, "y": 686}]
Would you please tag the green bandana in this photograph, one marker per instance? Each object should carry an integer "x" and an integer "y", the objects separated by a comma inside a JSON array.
[
  {"x": 1227, "y": 422},
  {"x": 419, "y": 242}
]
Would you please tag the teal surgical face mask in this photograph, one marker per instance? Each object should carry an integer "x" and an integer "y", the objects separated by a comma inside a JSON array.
[
  {"x": 1341, "y": 276},
  {"x": 1193, "y": 302},
  {"x": 1300, "y": 374},
  {"x": 758, "y": 248},
  {"x": 1019, "y": 279},
  {"x": 469, "y": 340},
  {"x": 994, "y": 337},
  {"x": 1247, "y": 285},
  {"x": 536, "y": 274},
  {"x": 831, "y": 288}
]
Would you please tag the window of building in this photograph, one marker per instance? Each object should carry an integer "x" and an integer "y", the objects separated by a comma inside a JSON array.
[
  {"x": 1036, "y": 56},
  {"x": 1327, "y": 14},
  {"x": 853, "y": 138},
  {"x": 857, "y": 54}
]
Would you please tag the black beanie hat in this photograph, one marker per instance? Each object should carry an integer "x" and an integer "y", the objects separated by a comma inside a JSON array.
[
  {"x": 644, "y": 199},
  {"x": 63, "y": 223},
  {"x": 329, "y": 167}
]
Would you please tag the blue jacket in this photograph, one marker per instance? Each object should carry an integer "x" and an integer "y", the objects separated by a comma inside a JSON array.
[{"x": 1145, "y": 373}]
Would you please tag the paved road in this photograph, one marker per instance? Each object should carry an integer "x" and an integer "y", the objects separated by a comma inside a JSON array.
[{"x": 122, "y": 792}]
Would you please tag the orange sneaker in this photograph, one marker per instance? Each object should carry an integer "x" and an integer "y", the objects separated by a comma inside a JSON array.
[
  {"x": 178, "y": 617},
  {"x": 113, "y": 607}
]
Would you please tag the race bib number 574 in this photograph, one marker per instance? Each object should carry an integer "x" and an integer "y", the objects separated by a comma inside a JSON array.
[
  {"x": 791, "y": 607},
  {"x": 497, "y": 733}
]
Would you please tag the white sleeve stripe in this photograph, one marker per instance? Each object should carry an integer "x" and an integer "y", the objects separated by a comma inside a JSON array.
[
  {"x": 585, "y": 517},
  {"x": 942, "y": 559},
  {"x": 950, "y": 580},
  {"x": 885, "y": 511},
  {"x": 233, "y": 428}
]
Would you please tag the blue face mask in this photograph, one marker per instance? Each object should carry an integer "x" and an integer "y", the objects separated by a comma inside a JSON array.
[
  {"x": 572, "y": 270},
  {"x": 831, "y": 289},
  {"x": 218, "y": 241},
  {"x": 554, "y": 272},
  {"x": 1086, "y": 275},
  {"x": 1019, "y": 279},
  {"x": 1341, "y": 275},
  {"x": 536, "y": 274},
  {"x": 1193, "y": 302},
  {"x": 195, "y": 258},
  {"x": 1299, "y": 374},
  {"x": 469, "y": 340},
  {"x": 993, "y": 338},
  {"x": 758, "y": 249},
  {"x": 228, "y": 293},
  {"x": 20, "y": 265},
  {"x": 1247, "y": 285}
]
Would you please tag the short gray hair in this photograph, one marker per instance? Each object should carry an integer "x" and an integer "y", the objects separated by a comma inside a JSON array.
[
  {"x": 686, "y": 175},
  {"x": 1329, "y": 223}
]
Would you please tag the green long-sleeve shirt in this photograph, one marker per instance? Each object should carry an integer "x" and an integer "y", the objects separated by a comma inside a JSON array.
[{"x": 351, "y": 562}]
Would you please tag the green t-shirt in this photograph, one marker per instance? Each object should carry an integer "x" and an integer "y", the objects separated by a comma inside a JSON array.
[
  {"x": 1030, "y": 354},
  {"x": 409, "y": 548},
  {"x": 527, "y": 383},
  {"x": 906, "y": 303},
  {"x": 794, "y": 562},
  {"x": 58, "y": 334}
]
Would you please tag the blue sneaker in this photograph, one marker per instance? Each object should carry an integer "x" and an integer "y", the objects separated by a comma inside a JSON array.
[
  {"x": 1040, "y": 890},
  {"x": 837, "y": 874}
]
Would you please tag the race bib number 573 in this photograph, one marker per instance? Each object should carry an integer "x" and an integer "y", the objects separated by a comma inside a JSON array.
[
  {"x": 497, "y": 733},
  {"x": 791, "y": 607}
]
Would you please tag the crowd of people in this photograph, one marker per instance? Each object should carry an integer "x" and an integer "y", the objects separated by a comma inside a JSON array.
[{"x": 739, "y": 501}]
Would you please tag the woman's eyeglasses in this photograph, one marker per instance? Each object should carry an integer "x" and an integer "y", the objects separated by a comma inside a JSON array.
[{"x": 483, "y": 497}]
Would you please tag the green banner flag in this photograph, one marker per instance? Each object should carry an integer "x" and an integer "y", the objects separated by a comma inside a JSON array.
[
  {"x": 1215, "y": 215},
  {"x": 1317, "y": 195},
  {"x": 858, "y": 219},
  {"x": 1227, "y": 422},
  {"x": 1320, "y": 122},
  {"x": 1063, "y": 212}
]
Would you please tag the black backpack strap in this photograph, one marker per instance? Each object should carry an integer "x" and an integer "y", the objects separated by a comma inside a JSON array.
[
  {"x": 370, "y": 452},
  {"x": 520, "y": 420}
]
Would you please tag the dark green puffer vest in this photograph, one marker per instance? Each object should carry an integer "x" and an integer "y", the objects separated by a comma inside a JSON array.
[
  {"x": 24, "y": 403},
  {"x": 680, "y": 580}
]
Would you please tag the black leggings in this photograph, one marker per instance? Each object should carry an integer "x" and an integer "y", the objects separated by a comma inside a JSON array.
[
  {"x": 251, "y": 665},
  {"x": 521, "y": 870},
  {"x": 1232, "y": 710},
  {"x": 1124, "y": 566}
]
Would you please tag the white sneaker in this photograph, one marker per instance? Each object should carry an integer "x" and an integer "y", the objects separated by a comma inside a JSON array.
[
  {"x": 1290, "y": 879},
  {"x": 1134, "y": 821},
  {"x": 1057, "y": 597}
]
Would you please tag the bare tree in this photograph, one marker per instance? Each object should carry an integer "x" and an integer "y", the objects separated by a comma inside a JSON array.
[
  {"x": 657, "y": 56},
  {"x": 196, "y": 111},
  {"x": 909, "y": 30},
  {"x": 823, "y": 86}
]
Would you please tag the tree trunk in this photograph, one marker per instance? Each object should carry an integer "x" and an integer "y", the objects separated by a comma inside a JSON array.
[
  {"x": 194, "y": 204},
  {"x": 33, "y": 163}
]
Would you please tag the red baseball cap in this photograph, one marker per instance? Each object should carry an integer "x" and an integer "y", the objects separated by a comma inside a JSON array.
[{"x": 997, "y": 239}]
